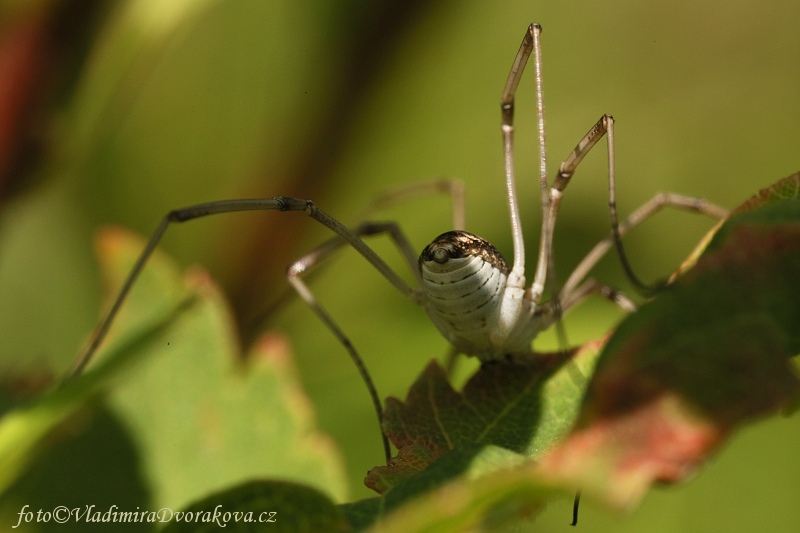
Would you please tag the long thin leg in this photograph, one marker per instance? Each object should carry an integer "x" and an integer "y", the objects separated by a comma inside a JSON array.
[
  {"x": 643, "y": 288},
  {"x": 575, "y": 505},
  {"x": 452, "y": 187},
  {"x": 647, "y": 210},
  {"x": 530, "y": 44},
  {"x": 605, "y": 126},
  {"x": 387, "y": 198},
  {"x": 278, "y": 203},
  {"x": 304, "y": 292},
  {"x": 555, "y": 194},
  {"x": 313, "y": 259},
  {"x": 592, "y": 286}
]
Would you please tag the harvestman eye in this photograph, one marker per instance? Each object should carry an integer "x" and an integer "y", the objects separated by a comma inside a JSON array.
[{"x": 480, "y": 303}]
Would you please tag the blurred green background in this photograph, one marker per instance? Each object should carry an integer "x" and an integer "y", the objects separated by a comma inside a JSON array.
[{"x": 144, "y": 106}]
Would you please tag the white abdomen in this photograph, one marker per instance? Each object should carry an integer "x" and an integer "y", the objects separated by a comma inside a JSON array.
[{"x": 464, "y": 278}]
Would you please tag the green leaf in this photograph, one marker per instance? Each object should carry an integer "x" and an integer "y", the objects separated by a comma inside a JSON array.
[
  {"x": 481, "y": 502},
  {"x": 23, "y": 430},
  {"x": 522, "y": 408},
  {"x": 273, "y": 506},
  {"x": 451, "y": 442},
  {"x": 200, "y": 415},
  {"x": 465, "y": 462},
  {"x": 203, "y": 416},
  {"x": 708, "y": 354}
]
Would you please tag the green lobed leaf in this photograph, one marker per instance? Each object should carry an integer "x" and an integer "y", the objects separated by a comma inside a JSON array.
[
  {"x": 202, "y": 415},
  {"x": 522, "y": 408}
]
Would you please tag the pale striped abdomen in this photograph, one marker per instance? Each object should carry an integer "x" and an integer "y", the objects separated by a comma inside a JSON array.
[{"x": 464, "y": 277}]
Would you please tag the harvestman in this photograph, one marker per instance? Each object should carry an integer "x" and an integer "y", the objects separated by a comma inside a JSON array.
[{"x": 479, "y": 302}]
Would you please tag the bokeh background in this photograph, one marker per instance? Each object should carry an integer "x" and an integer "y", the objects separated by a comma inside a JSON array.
[{"x": 116, "y": 112}]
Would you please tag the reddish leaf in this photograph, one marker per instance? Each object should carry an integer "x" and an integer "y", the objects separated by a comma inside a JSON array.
[
  {"x": 708, "y": 354},
  {"x": 786, "y": 189}
]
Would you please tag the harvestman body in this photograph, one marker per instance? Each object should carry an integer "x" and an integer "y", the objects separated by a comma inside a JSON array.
[{"x": 478, "y": 301}]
